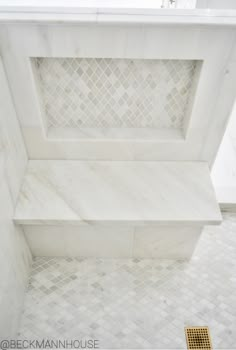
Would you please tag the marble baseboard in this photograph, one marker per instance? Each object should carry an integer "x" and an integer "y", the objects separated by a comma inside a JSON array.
[{"x": 162, "y": 242}]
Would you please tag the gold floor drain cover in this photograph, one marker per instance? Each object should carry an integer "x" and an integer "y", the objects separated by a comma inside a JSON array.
[{"x": 198, "y": 338}]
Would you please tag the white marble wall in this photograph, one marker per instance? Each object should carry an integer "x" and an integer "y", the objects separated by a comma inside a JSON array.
[
  {"x": 216, "y": 4},
  {"x": 15, "y": 257},
  {"x": 224, "y": 170},
  {"x": 215, "y": 83}
]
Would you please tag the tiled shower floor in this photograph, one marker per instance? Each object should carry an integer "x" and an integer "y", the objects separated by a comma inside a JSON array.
[{"x": 137, "y": 303}]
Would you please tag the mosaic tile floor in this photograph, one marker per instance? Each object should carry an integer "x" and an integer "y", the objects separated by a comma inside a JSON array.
[{"x": 137, "y": 303}]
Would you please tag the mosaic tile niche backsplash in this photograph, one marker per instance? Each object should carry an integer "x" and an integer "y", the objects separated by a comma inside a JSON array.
[{"x": 115, "y": 93}]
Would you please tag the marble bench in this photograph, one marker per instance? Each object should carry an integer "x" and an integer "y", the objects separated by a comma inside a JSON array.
[{"x": 116, "y": 208}]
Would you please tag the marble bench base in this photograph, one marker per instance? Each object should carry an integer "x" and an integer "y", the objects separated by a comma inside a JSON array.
[{"x": 112, "y": 242}]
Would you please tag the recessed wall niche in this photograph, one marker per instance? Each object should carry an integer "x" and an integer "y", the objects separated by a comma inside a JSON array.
[{"x": 115, "y": 98}]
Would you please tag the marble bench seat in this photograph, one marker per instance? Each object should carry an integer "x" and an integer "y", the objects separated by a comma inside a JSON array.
[{"x": 115, "y": 208}]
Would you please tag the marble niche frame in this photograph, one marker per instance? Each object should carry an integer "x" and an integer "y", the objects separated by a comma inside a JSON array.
[{"x": 212, "y": 101}]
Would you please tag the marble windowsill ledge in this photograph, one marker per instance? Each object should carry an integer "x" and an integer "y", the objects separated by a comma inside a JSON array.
[{"x": 117, "y": 192}]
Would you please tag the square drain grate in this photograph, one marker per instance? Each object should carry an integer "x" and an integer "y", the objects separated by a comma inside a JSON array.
[{"x": 198, "y": 338}]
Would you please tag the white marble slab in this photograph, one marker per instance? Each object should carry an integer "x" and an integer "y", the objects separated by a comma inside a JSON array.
[
  {"x": 15, "y": 257},
  {"x": 15, "y": 261},
  {"x": 224, "y": 170},
  {"x": 164, "y": 242},
  {"x": 159, "y": 242},
  {"x": 13, "y": 157},
  {"x": 122, "y": 192},
  {"x": 80, "y": 241}
]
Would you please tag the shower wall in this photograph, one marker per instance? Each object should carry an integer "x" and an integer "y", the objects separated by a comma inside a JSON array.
[{"x": 15, "y": 257}]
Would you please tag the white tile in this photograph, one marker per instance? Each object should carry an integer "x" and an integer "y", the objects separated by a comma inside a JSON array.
[
  {"x": 165, "y": 242},
  {"x": 224, "y": 170},
  {"x": 114, "y": 93},
  {"x": 12, "y": 149},
  {"x": 110, "y": 242},
  {"x": 15, "y": 257},
  {"x": 80, "y": 241},
  {"x": 45, "y": 241}
]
